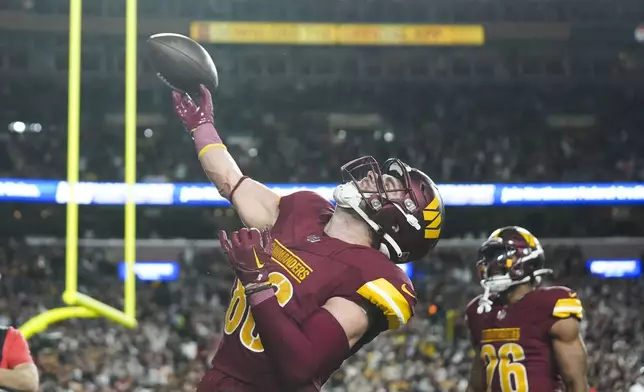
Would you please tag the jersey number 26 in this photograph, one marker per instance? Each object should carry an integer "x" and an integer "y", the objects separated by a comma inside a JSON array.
[
  {"x": 513, "y": 376},
  {"x": 238, "y": 308}
]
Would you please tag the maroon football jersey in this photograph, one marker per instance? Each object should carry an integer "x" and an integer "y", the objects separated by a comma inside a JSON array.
[
  {"x": 515, "y": 341},
  {"x": 308, "y": 268}
]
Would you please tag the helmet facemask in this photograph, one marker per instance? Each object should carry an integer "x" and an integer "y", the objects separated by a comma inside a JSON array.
[
  {"x": 504, "y": 264},
  {"x": 384, "y": 198}
]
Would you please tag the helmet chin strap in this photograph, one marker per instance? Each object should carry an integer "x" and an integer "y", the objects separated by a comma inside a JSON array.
[
  {"x": 348, "y": 196},
  {"x": 413, "y": 222},
  {"x": 499, "y": 284}
]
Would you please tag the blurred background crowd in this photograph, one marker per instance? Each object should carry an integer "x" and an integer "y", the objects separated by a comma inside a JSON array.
[
  {"x": 554, "y": 94},
  {"x": 181, "y": 323}
]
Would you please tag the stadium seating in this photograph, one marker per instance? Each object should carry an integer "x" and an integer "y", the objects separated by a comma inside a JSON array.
[{"x": 181, "y": 321}]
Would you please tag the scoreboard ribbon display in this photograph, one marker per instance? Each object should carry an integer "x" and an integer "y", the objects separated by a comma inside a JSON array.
[
  {"x": 205, "y": 194},
  {"x": 336, "y": 34}
]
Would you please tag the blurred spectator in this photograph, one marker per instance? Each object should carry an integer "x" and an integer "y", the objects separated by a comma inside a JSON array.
[
  {"x": 460, "y": 135},
  {"x": 181, "y": 323},
  {"x": 639, "y": 382}
]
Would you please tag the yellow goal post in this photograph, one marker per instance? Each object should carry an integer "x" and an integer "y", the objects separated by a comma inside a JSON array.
[{"x": 80, "y": 305}]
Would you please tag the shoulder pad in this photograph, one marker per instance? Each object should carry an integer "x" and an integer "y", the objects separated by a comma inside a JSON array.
[
  {"x": 309, "y": 201},
  {"x": 565, "y": 302},
  {"x": 301, "y": 214},
  {"x": 394, "y": 296}
]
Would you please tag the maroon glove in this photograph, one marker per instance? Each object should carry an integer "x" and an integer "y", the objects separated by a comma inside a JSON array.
[
  {"x": 247, "y": 252},
  {"x": 189, "y": 113}
]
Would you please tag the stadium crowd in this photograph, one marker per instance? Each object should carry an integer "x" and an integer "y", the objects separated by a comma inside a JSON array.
[
  {"x": 457, "y": 135},
  {"x": 181, "y": 322}
]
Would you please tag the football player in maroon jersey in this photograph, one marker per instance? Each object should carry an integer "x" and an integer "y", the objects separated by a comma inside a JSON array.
[
  {"x": 526, "y": 337},
  {"x": 326, "y": 283}
]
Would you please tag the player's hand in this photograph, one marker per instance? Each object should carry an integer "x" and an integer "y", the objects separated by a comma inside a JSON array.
[
  {"x": 247, "y": 251},
  {"x": 191, "y": 114}
]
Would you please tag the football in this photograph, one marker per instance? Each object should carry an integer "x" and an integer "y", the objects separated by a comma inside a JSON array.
[{"x": 181, "y": 63}]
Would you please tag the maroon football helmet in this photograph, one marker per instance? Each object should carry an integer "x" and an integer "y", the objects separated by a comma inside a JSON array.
[
  {"x": 401, "y": 204},
  {"x": 509, "y": 257}
]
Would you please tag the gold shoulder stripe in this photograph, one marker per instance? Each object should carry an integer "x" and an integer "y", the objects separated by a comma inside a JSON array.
[
  {"x": 568, "y": 307},
  {"x": 568, "y": 302},
  {"x": 389, "y": 300}
]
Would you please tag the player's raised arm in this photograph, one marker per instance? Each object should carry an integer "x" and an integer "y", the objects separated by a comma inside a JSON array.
[
  {"x": 570, "y": 353},
  {"x": 256, "y": 204},
  {"x": 477, "y": 374}
]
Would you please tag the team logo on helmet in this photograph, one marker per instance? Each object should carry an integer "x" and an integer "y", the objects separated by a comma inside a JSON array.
[
  {"x": 433, "y": 218},
  {"x": 390, "y": 200}
]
